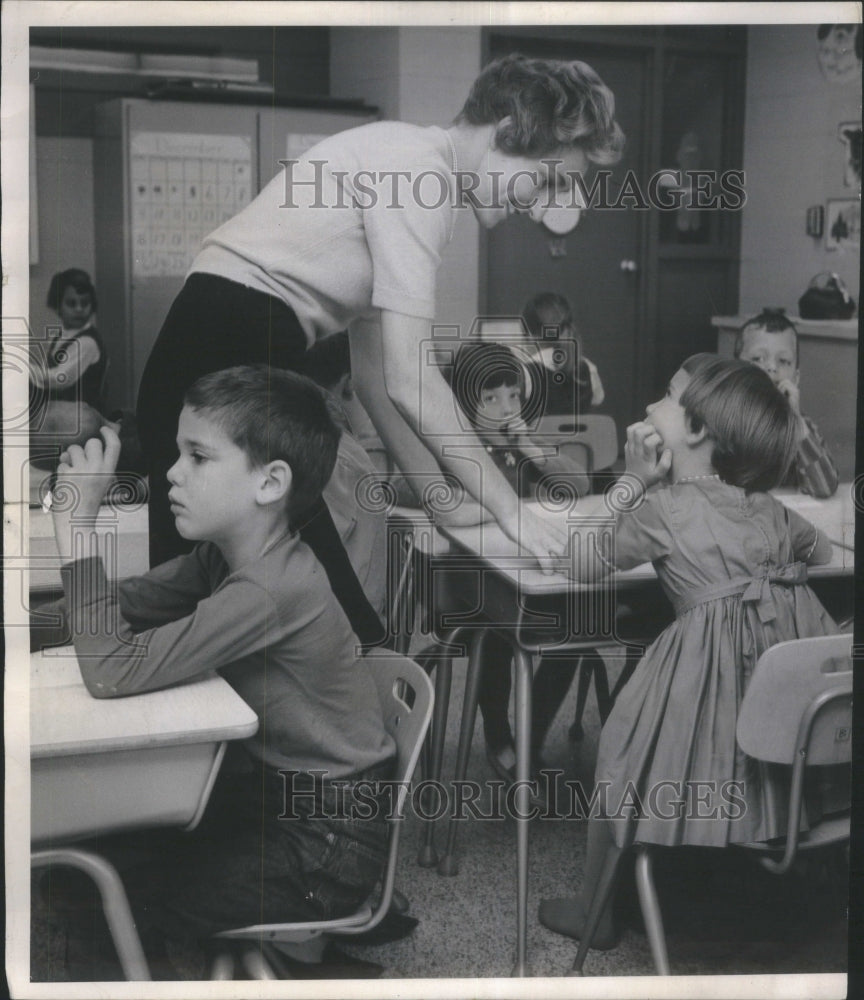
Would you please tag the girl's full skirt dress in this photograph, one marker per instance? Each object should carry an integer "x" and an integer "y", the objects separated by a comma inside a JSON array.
[{"x": 669, "y": 769}]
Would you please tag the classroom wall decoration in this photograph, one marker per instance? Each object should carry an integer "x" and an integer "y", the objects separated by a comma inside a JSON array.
[
  {"x": 843, "y": 224},
  {"x": 183, "y": 186},
  {"x": 849, "y": 133}
]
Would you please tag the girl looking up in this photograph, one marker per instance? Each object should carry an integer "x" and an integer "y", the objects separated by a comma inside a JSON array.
[{"x": 733, "y": 561}]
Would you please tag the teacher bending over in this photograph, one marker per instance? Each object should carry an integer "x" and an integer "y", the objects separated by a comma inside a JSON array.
[{"x": 351, "y": 235}]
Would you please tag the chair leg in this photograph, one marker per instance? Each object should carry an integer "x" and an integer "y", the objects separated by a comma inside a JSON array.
[
  {"x": 601, "y": 689},
  {"x": 443, "y": 666},
  {"x": 631, "y": 659},
  {"x": 576, "y": 733},
  {"x": 601, "y": 897},
  {"x": 222, "y": 966},
  {"x": 651, "y": 911},
  {"x": 114, "y": 902},
  {"x": 448, "y": 865},
  {"x": 256, "y": 965}
]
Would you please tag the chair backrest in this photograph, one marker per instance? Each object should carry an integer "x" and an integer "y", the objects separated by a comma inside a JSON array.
[
  {"x": 595, "y": 432},
  {"x": 797, "y": 710},
  {"x": 800, "y": 691},
  {"x": 406, "y": 696}
]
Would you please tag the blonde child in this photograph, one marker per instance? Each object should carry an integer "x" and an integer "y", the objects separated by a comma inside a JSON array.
[
  {"x": 770, "y": 341},
  {"x": 732, "y": 560},
  {"x": 549, "y": 320}
]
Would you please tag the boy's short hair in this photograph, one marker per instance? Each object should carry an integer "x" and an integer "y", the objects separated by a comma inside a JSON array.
[
  {"x": 772, "y": 320},
  {"x": 328, "y": 359},
  {"x": 548, "y": 104},
  {"x": 72, "y": 277},
  {"x": 747, "y": 417},
  {"x": 272, "y": 414},
  {"x": 548, "y": 309},
  {"x": 483, "y": 365}
]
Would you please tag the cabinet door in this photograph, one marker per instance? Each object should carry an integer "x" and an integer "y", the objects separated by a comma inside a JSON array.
[
  {"x": 206, "y": 160},
  {"x": 286, "y": 133},
  {"x": 166, "y": 175}
]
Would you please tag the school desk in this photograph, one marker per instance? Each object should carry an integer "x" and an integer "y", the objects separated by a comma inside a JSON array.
[
  {"x": 127, "y": 554},
  {"x": 485, "y": 582},
  {"x": 99, "y": 766}
]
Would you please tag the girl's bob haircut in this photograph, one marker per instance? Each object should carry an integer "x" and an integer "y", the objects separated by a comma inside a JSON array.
[
  {"x": 75, "y": 278},
  {"x": 748, "y": 419},
  {"x": 483, "y": 365},
  {"x": 541, "y": 106}
]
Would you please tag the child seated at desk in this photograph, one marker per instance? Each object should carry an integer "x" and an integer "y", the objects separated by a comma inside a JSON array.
[
  {"x": 550, "y": 313},
  {"x": 488, "y": 382},
  {"x": 770, "y": 341},
  {"x": 257, "y": 446},
  {"x": 67, "y": 380},
  {"x": 732, "y": 559}
]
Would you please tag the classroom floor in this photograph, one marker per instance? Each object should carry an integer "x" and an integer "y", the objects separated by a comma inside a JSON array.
[{"x": 723, "y": 915}]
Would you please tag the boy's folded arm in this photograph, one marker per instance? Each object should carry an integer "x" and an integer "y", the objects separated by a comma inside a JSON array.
[{"x": 231, "y": 623}]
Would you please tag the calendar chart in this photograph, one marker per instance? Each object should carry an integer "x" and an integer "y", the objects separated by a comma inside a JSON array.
[{"x": 182, "y": 187}]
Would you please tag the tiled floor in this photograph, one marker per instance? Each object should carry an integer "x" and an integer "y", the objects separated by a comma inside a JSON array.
[{"x": 723, "y": 916}]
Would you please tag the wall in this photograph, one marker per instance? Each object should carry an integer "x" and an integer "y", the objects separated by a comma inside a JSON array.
[
  {"x": 64, "y": 180},
  {"x": 793, "y": 159},
  {"x": 421, "y": 76}
]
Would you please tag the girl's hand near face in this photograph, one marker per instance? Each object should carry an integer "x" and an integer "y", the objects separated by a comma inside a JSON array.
[{"x": 644, "y": 454}]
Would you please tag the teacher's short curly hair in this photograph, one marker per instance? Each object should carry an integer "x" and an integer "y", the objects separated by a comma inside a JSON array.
[
  {"x": 748, "y": 419},
  {"x": 548, "y": 104}
]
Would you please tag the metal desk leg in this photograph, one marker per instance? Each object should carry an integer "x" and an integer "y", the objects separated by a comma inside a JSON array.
[
  {"x": 523, "y": 668},
  {"x": 427, "y": 856},
  {"x": 448, "y": 864},
  {"x": 114, "y": 903}
]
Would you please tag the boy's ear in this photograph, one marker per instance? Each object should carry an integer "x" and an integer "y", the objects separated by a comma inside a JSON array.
[
  {"x": 346, "y": 387},
  {"x": 275, "y": 483}
]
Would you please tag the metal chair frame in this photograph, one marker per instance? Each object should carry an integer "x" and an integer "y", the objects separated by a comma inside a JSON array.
[
  {"x": 832, "y": 830},
  {"x": 394, "y": 674}
]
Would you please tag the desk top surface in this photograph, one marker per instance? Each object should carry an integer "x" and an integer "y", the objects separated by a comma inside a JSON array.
[
  {"x": 835, "y": 517},
  {"x": 65, "y": 719}
]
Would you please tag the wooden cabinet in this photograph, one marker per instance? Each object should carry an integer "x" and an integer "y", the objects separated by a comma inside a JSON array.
[
  {"x": 828, "y": 362},
  {"x": 166, "y": 174}
]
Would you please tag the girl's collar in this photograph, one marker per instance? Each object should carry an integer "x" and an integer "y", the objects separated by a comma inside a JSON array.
[{"x": 695, "y": 479}]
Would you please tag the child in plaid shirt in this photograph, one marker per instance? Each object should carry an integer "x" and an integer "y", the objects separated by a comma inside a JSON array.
[{"x": 770, "y": 341}]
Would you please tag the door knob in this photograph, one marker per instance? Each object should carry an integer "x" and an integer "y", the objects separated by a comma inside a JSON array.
[{"x": 629, "y": 265}]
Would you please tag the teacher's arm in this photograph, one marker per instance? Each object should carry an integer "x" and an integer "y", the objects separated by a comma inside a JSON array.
[
  {"x": 417, "y": 389},
  {"x": 415, "y": 460}
]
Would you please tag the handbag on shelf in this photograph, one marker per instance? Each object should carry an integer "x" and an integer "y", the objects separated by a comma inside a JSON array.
[{"x": 826, "y": 298}]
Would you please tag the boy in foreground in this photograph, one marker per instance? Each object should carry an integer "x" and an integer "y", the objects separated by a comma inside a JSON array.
[{"x": 257, "y": 445}]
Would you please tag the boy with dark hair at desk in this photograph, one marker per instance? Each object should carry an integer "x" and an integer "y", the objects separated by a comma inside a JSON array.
[{"x": 257, "y": 446}]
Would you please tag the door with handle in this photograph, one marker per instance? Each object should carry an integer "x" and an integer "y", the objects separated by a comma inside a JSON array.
[{"x": 599, "y": 270}]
